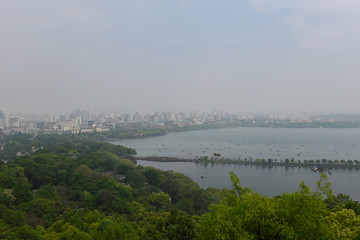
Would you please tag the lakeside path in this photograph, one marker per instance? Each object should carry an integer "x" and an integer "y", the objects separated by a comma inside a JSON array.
[
  {"x": 258, "y": 162},
  {"x": 165, "y": 159}
]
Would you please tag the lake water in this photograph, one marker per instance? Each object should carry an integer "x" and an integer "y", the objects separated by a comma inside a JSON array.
[{"x": 301, "y": 144}]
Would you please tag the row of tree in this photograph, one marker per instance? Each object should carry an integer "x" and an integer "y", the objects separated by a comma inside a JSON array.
[{"x": 278, "y": 161}]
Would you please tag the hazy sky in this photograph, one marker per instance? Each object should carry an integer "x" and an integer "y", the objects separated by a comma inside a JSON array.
[{"x": 162, "y": 55}]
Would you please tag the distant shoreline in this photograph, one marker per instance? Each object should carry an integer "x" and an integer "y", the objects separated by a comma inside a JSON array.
[{"x": 133, "y": 133}]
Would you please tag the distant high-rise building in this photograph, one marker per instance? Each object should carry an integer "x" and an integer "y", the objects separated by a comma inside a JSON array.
[
  {"x": 40, "y": 125},
  {"x": 91, "y": 123},
  {"x": 13, "y": 122},
  {"x": 62, "y": 118},
  {"x": 85, "y": 115},
  {"x": 2, "y": 120},
  {"x": 78, "y": 121},
  {"x": 77, "y": 113}
]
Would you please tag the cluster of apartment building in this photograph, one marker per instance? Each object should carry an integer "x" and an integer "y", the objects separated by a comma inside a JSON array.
[
  {"x": 75, "y": 123},
  {"x": 84, "y": 121}
]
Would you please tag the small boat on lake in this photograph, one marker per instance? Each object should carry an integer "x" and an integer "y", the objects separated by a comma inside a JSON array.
[
  {"x": 216, "y": 154},
  {"x": 313, "y": 168}
]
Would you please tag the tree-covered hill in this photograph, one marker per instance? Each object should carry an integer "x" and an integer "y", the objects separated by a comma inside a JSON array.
[{"x": 66, "y": 187}]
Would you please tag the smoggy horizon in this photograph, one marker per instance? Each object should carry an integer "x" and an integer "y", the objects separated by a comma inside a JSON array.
[{"x": 249, "y": 56}]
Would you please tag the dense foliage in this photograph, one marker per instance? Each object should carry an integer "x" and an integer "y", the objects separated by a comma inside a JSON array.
[{"x": 66, "y": 187}]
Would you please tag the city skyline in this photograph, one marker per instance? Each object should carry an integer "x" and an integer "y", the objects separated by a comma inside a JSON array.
[{"x": 85, "y": 121}]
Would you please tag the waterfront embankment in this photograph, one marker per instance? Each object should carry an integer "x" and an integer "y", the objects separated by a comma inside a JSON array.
[{"x": 258, "y": 162}]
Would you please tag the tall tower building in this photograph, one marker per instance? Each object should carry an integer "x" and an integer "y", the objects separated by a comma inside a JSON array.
[
  {"x": 85, "y": 115},
  {"x": 2, "y": 120},
  {"x": 78, "y": 121},
  {"x": 62, "y": 118}
]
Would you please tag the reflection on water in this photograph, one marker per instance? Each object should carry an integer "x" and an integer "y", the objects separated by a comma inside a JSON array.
[{"x": 264, "y": 180}]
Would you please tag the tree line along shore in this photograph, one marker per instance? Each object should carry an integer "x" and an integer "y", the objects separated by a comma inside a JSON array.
[{"x": 320, "y": 164}]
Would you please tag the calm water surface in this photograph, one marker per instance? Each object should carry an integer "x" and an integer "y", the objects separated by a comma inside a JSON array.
[{"x": 265, "y": 143}]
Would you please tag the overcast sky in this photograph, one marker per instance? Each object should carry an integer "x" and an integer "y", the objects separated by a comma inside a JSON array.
[{"x": 180, "y": 55}]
